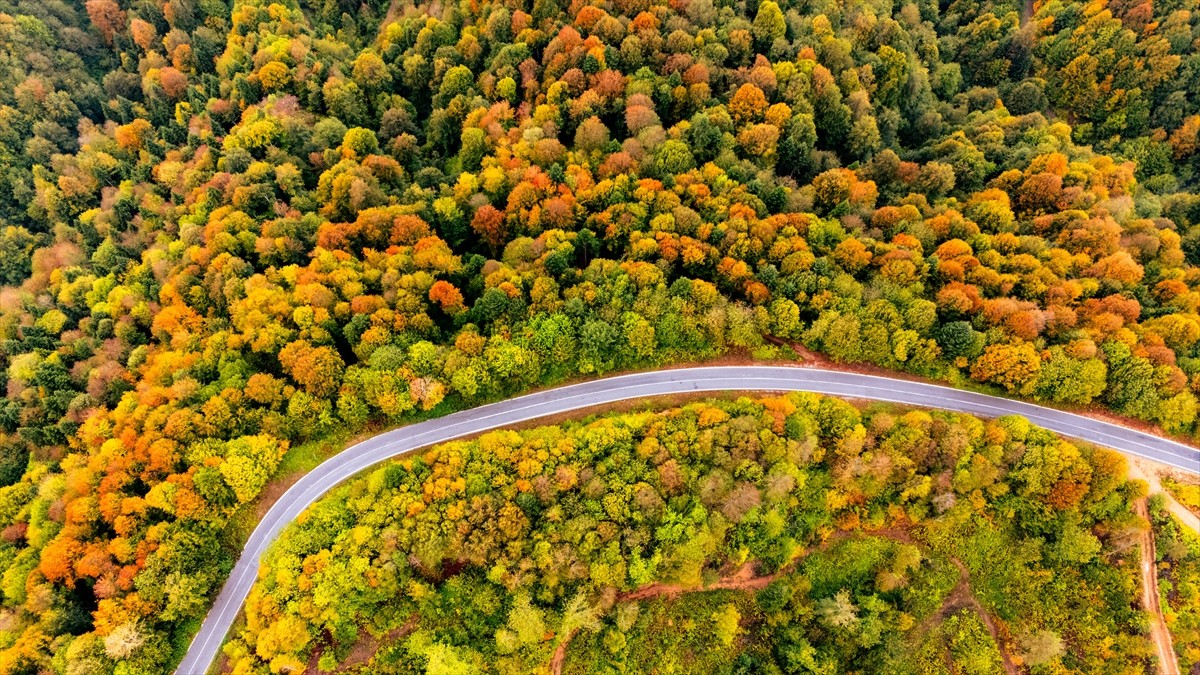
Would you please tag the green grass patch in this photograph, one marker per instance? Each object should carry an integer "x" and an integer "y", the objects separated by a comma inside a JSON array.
[
  {"x": 697, "y": 633},
  {"x": 1187, "y": 494},
  {"x": 960, "y": 645}
]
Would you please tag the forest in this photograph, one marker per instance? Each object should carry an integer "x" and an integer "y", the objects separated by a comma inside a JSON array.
[
  {"x": 793, "y": 534},
  {"x": 231, "y": 229}
]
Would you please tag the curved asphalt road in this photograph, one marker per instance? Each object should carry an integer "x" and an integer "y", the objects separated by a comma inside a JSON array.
[{"x": 207, "y": 644}]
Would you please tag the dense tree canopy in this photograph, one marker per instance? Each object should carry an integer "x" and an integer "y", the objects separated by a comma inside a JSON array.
[
  {"x": 817, "y": 538},
  {"x": 228, "y": 229}
]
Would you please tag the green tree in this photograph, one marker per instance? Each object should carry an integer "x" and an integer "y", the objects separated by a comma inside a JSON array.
[
  {"x": 360, "y": 142},
  {"x": 838, "y": 611},
  {"x": 674, "y": 158},
  {"x": 1067, "y": 380},
  {"x": 769, "y": 25},
  {"x": 726, "y": 621}
]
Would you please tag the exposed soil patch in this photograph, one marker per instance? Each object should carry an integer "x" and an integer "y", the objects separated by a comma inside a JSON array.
[
  {"x": 961, "y": 597},
  {"x": 810, "y": 357},
  {"x": 742, "y": 579},
  {"x": 272, "y": 491},
  {"x": 560, "y": 654},
  {"x": 745, "y": 579},
  {"x": 1167, "y": 662},
  {"x": 364, "y": 649},
  {"x": 1151, "y": 472}
]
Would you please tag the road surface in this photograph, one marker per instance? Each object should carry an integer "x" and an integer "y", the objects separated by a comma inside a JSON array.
[{"x": 207, "y": 643}]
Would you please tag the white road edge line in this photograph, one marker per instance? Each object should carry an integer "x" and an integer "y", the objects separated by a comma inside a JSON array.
[{"x": 402, "y": 440}]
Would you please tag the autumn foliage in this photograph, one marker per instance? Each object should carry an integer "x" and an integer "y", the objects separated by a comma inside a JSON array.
[
  {"x": 526, "y": 530},
  {"x": 232, "y": 230}
]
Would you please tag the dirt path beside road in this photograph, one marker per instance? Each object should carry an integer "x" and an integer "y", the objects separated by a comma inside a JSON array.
[{"x": 1167, "y": 663}]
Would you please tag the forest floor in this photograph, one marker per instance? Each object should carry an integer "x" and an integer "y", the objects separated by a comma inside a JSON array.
[{"x": 1167, "y": 663}]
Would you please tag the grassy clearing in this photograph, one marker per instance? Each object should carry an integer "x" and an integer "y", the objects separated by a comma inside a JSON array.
[
  {"x": 1187, "y": 494},
  {"x": 683, "y": 635}
]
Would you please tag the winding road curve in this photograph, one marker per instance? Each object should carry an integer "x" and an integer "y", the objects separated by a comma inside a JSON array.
[{"x": 207, "y": 643}]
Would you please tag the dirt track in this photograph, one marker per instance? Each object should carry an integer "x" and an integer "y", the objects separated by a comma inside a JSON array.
[
  {"x": 1149, "y": 472},
  {"x": 1167, "y": 663},
  {"x": 745, "y": 579}
]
